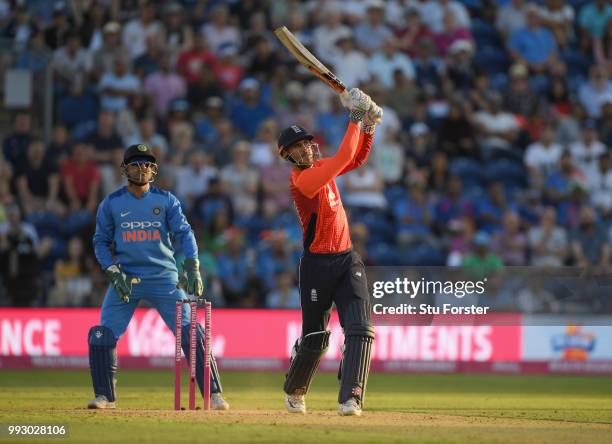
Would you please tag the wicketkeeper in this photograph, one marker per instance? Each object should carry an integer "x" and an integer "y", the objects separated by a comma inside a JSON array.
[
  {"x": 330, "y": 271},
  {"x": 135, "y": 226}
]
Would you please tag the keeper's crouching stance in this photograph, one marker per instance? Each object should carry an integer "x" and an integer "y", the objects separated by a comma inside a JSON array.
[
  {"x": 134, "y": 226},
  {"x": 330, "y": 271}
]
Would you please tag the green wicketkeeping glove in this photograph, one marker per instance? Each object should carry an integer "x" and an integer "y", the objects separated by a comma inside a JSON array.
[
  {"x": 190, "y": 279},
  {"x": 120, "y": 283}
]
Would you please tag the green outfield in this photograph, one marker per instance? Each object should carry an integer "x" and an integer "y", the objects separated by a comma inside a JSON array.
[{"x": 400, "y": 408}]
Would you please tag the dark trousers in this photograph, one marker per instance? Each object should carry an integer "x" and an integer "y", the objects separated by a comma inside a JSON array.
[{"x": 329, "y": 278}]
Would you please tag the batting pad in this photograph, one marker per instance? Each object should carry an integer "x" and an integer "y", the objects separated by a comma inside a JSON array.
[
  {"x": 307, "y": 353},
  {"x": 103, "y": 361}
]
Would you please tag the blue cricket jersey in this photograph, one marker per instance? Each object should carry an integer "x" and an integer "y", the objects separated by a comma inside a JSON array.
[{"x": 141, "y": 232}]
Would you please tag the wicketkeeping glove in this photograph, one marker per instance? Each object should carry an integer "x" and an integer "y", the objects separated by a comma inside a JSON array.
[
  {"x": 120, "y": 283},
  {"x": 372, "y": 118},
  {"x": 357, "y": 102},
  {"x": 190, "y": 279}
]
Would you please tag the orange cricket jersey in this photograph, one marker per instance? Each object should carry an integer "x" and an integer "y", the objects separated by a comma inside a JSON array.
[{"x": 317, "y": 198}]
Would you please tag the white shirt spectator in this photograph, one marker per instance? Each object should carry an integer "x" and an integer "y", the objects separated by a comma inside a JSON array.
[
  {"x": 511, "y": 17},
  {"x": 500, "y": 122},
  {"x": 556, "y": 242},
  {"x": 190, "y": 183},
  {"x": 363, "y": 188},
  {"x": 587, "y": 157},
  {"x": 71, "y": 66},
  {"x": 600, "y": 185},
  {"x": 383, "y": 67},
  {"x": 127, "y": 82},
  {"x": 544, "y": 158},
  {"x": 593, "y": 98},
  {"x": 390, "y": 123},
  {"x": 351, "y": 67},
  {"x": 217, "y": 37},
  {"x": 432, "y": 14},
  {"x": 324, "y": 41},
  {"x": 136, "y": 33}
]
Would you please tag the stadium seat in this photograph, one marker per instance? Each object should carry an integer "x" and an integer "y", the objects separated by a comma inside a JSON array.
[
  {"x": 484, "y": 32},
  {"x": 422, "y": 255},
  {"x": 468, "y": 170},
  {"x": 492, "y": 59},
  {"x": 511, "y": 173},
  {"x": 577, "y": 62}
]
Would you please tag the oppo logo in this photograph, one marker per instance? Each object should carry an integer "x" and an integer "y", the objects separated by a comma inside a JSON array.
[{"x": 140, "y": 225}]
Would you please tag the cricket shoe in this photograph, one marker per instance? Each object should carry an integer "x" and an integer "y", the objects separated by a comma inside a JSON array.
[
  {"x": 217, "y": 402},
  {"x": 295, "y": 403},
  {"x": 349, "y": 408},
  {"x": 100, "y": 402}
]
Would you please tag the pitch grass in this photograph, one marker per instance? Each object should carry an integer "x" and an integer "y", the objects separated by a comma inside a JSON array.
[{"x": 400, "y": 409}]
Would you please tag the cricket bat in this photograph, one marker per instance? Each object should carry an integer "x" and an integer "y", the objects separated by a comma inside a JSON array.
[{"x": 307, "y": 59}]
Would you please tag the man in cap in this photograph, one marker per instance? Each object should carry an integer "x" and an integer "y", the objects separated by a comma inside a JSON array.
[
  {"x": 330, "y": 271},
  {"x": 135, "y": 226}
]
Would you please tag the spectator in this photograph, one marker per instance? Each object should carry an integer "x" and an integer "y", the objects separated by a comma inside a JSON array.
[
  {"x": 542, "y": 156},
  {"x": 606, "y": 123},
  {"x": 602, "y": 48},
  {"x": 600, "y": 186},
  {"x": 412, "y": 32},
  {"x": 263, "y": 148},
  {"x": 111, "y": 177},
  {"x": 388, "y": 159},
  {"x": 103, "y": 58},
  {"x": 452, "y": 31},
  {"x": 21, "y": 252},
  {"x": 193, "y": 178},
  {"x": 496, "y": 129},
  {"x": 205, "y": 124},
  {"x": 275, "y": 256},
  {"x": 559, "y": 185},
  {"x": 511, "y": 17},
  {"x": 586, "y": 152},
  {"x": 589, "y": 243},
  {"x": 456, "y": 136},
  {"x": 419, "y": 150},
  {"x": 147, "y": 134},
  {"x": 179, "y": 35},
  {"x": 594, "y": 17},
  {"x": 91, "y": 28},
  {"x": 214, "y": 211},
  {"x": 193, "y": 61},
  {"x": 452, "y": 205},
  {"x": 437, "y": 180},
  {"x": 81, "y": 179},
  {"x": 558, "y": 97},
  {"x": 264, "y": 60},
  {"x": 520, "y": 98},
  {"x": 559, "y": 18},
  {"x": 137, "y": 31},
  {"x": 205, "y": 89},
  {"x": 227, "y": 69},
  {"x": 351, "y": 64},
  {"x": 326, "y": 35},
  {"x": 219, "y": 32},
  {"x": 285, "y": 295},
  {"x": 490, "y": 209},
  {"x": 364, "y": 189},
  {"x": 79, "y": 109},
  {"x": 372, "y": 32},
  {"x": 533, "y": 45},
  {"x": 148, "y": 62},
  {"x": 59, "y": 149},
  {"x": 105, "y": 139},
  {"x": 296, "y": 110},
  {"x": 249, "y": 110},
  {"x": 15, "y": 144},
  {"x": 433, "y": 12},
  {"x": 482, "y": 262},
  {"x": 55, "y": 35},
  {"x": 20, "y": 28},
  {"x": 38, "y": 180},
  {"x": 181, "y": 143},
  {"x": 385, "y": 61},
  {"x": 35, "y": 56},
  {"x": 240, "y": 181},
  {"x": 429, "y": 66},
  {"x": 164, "y": 86},
  {"x": 461, "y": 70},
  {"x": 413, "y": 215},
  {"x": 274, "y": 179},
  {"x": 71, "y": 62},
  {"x": 510, "y": 243},
  {"x": 118, "y": 86},
  {"x": 331, "y": 124},
  {"x": 462, "y": 233},
  {"x": 547, "y": 241},
  {"x": 221, "y": 146},
  {"x": 594, "y": 93},
  {"x": 240, "y": 286},
  {"x": 73, "y": 282}
]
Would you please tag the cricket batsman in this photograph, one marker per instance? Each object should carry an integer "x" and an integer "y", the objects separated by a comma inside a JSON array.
[
  {"x": 330, "y": 271},
  {"x": 135, "y": 227}
]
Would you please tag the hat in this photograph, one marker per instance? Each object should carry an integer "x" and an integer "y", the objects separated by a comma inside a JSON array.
[
  {"x": 344, "y": 34},
  {"x": 292, "y": 134},
  {"x": 138, "y": 151},
  {"x": 461, "y": 45},
  {"x": 214, "y": 102},
  {"x": 481, "y": 238},
  {"x": 375, "y": 4},
  {"x": 518, "y": 70},
  {"x": 418, "y": 129},
  {"x": 111, "y": 27},
  {"x": 249, "y": 83}
]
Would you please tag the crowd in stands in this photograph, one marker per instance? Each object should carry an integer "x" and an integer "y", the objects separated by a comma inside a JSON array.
[{"x": 494, "y": 148}]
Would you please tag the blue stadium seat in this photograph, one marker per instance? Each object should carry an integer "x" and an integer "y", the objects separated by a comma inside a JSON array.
[
  {"x": 485, "y": 33},
  {"x": 492, "y": 59},
  {"x": 382, "y": 254},
  {"x": 468, "y": 170},
  {"x": 510, "y": 172},
  {"x": 422, "y": 255},
  {"x": 394, "y": 194},
  {"x": 577, "y": 62}
]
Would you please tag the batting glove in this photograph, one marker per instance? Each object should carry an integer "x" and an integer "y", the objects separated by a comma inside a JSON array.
[
  {"x": 372, "y": 118},
  {"x": 120, "y": 283},
  {"x": 357, "y": 102},
  {"x": 190, "y": 279}
]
